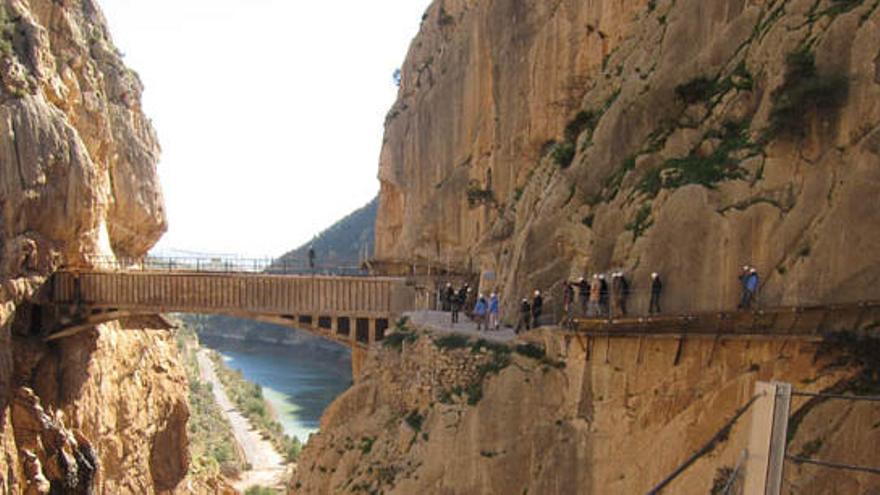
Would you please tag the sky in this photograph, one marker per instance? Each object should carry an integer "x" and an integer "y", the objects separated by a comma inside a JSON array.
[{"x": 269, "y": 112}]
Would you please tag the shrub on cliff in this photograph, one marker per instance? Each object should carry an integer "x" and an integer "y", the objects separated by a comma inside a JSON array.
[
  {"x": 7, "y": 28},
  {"x": 804, "y": 92},
  {"x": 563, "y": 154}
]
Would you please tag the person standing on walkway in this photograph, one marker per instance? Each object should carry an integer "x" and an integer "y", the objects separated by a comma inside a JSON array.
[
  {"x": 616, "y": 294},
  {"x": 595, "y": 294},
  {"x": 751, "y": 286},
  {"x": 456, "y": 302},
  {"x": 481, "y": 307},
  {"x": 567, "y": 302},
  {"x": 525, "y": 314},
  {"x": 494, "y": 311},
  {"x": 584, "y": 293},
  {"x": 624, "y": 293},
  {"x": 311, "y": 257},
  {"x": 603, "y": 296},
  {"x": 448, "y": 296},
  {"x": 537, "y": 308},
  {"x": 656, "y": 289}
]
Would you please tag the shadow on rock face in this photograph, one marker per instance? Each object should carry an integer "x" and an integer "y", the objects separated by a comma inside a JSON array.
[{"x": 169, "y": 459}]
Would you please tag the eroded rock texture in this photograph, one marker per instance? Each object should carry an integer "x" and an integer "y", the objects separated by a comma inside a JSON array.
[
  {"x": 663, "y": 109},
  {"x": 103, "y": 412},
  {"x": 611, "y": 416}
]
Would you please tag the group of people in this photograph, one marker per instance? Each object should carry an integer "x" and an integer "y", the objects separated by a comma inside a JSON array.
[
  {"x": 485, "y": 312},
  {"x": 599, "y": 298},
  {"x": 530, "y": 312},
  {"x": 596, "y": 298}
]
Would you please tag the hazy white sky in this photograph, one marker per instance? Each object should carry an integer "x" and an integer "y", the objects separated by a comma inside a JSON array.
[{"x": 269, "y": 112}]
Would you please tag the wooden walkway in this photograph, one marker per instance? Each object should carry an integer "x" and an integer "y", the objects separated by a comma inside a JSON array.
[
  {"x": 806, "y": 321},
  {"x": 355, "y": 311}
]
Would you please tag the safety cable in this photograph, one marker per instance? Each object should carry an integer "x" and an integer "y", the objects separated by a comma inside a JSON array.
[
  {"x": 833, "y": 465},
  {"x": 707, "y": 447},
  {"x": 868, "y": 398}
]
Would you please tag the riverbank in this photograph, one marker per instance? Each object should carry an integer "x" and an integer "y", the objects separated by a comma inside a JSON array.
[{"x": 266, "y": 466}]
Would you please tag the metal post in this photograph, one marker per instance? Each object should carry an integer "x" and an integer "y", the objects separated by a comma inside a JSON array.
[{"x": 766, "y": 457}]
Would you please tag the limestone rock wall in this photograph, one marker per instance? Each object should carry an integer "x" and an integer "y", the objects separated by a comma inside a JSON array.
[
  {"x": 672, "y": 167},
  {"x": 104, "y": 412},
  {"x": 607, "y": 416}
]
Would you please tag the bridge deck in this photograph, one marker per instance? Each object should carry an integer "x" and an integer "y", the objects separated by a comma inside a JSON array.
[{"x": 352, "y": 310}]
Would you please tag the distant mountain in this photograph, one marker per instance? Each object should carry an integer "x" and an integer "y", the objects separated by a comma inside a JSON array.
[{"x": 346, "y": 242}]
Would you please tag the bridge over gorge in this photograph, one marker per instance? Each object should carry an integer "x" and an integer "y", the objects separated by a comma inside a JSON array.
[
  {"x": 352, "y": 310},
  {"x": 347, "y": 305}
]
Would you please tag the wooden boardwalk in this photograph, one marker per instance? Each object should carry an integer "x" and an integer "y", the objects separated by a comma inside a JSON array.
[
  {"x": 354, "y": 311},
  {"x": 776, "y": 322}
]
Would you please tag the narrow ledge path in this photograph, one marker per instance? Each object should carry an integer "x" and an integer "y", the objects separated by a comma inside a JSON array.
[{"x": 267, "y": 466}]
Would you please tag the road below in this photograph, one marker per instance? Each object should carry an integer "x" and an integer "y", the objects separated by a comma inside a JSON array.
[{"x": 267, "y": 465}]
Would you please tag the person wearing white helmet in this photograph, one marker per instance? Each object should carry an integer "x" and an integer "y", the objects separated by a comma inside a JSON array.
[
  {"x": 537, "y": 308},
  {"x": 622, "y": 293},
  {"x": 745, "y": 296},
  {"x": 494, "y": 311},
  {"x": 481, "y": 308},
  {"x": 656, "y": 289},
  {"x": 448, "y": 296},
  {"x": 525, "y": 314},
  {"x": 595, "y": 291},
  {"x": 751, "y": 287},
  {"x": 584, "y": 294},
  {"x": 567, "y": 302},
  {"x": 603, "y": 296}
]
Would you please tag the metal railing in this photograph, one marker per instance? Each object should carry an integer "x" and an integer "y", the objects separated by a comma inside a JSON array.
[{"x": 262, "y": 266}]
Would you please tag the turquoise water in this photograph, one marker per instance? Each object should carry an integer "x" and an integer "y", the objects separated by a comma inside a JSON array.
[{"x": 298, "y": 381}]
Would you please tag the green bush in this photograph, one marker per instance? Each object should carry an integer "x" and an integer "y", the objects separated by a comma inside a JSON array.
[
  {"x": 261, "y": 490},
  {"x": 477, "y": 196},
  {"x": 696, "y": 90},
  {"x": 563, "y": 154},
  {"x": 530, "y": 351},
  {"x": 452, "y": 341},
  {"x": 7, "y": 29},
  {"x": 398, "y": 338},
  {"x": 803, "y": 92},
  {"x": 705, "y": 170},
  {"x": 642, "y": 221},
  {"x": 415, "y": 420},
  {"x": 585, "y": 119}
]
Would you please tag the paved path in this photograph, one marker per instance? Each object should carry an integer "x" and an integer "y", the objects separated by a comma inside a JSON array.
[
  {"x": 440, "y": 322},
  {"x": 267, "y": 465}
]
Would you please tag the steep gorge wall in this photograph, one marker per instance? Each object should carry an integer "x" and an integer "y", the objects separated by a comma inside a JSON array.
[
  {"x": 610, "y": 416},
  {"x": 666, "y": 174},
  {"x": 104, "y": 411}
]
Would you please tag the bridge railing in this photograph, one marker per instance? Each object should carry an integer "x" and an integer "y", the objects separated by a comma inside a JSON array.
[
  {"x": 262, "y": 266},
  {"x": 187, "y": 291}
]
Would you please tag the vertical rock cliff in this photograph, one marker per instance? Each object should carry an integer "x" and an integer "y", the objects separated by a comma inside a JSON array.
[
  {"x": 542, "y": 140},
  {"x": 561, "y": 414},
  {"x": 104, "y": 411}
]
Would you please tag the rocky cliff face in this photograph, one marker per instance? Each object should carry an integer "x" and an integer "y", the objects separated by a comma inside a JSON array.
[
  {"x": 611, "y": 416},
  {"x": 104, "y": 411},
  {"x": 544, "y": 140}
]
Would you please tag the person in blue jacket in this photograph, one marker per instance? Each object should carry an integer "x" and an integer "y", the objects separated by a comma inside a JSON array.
[
  {"x": 480, "y": 310},
  {"x": 752, "y": 283},
  {"x": 494, "y": 311}
]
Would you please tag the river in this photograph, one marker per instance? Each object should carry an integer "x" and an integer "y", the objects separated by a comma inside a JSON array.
[{"x": 299, "y": 380}]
